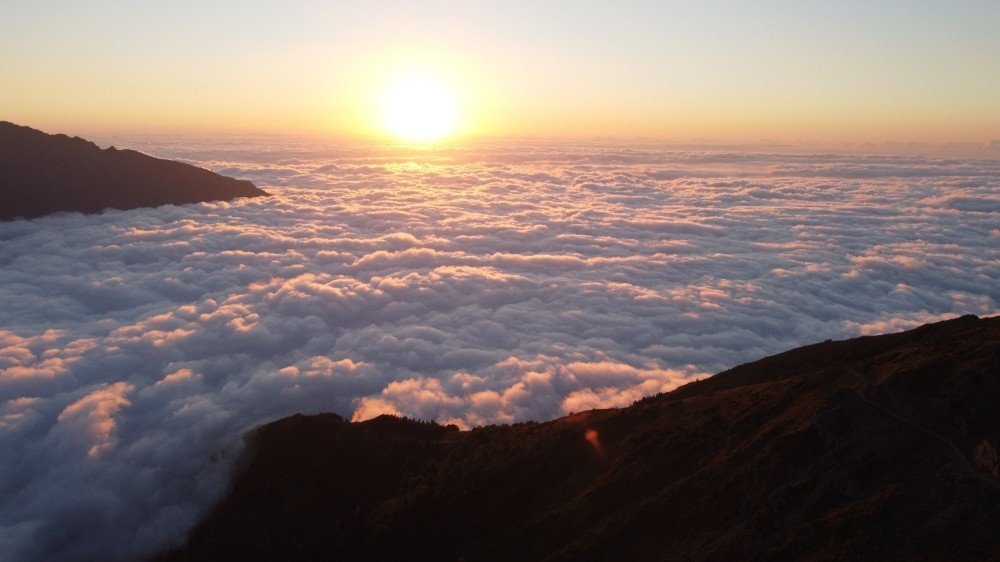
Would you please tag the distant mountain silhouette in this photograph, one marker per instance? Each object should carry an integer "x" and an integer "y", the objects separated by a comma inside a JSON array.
[
  {"x": 881, "y": 447},
  {"x": 42, "y": 174}
]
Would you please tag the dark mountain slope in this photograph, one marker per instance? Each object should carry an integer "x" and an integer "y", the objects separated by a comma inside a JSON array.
[
  {"x": 42, "y": 174},
  {"x": 875, "y": 447}
]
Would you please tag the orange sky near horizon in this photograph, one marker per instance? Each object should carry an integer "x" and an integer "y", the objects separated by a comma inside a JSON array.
[{"x": 674, "y": 71}]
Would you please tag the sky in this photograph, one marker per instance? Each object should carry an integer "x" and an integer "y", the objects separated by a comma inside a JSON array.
[{"x": 827, "y": 72}]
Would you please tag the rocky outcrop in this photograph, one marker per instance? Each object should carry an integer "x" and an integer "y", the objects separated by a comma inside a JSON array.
[
  {"x": 987, "y": 458},
  {"x": 42, "y": 174},
  {"x": 870, "y": 448}
]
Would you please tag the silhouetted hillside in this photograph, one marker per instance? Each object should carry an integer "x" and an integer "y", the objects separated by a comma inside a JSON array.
[
  {"x": 875, "y": 447},
  {"x": 42, "y": 174}
]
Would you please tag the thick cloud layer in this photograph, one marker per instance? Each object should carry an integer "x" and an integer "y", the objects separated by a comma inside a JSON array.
[{"x": 488, "y": 285}]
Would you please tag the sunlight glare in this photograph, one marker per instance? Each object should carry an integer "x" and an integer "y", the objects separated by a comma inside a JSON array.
[{"x": 418, "y": 107}]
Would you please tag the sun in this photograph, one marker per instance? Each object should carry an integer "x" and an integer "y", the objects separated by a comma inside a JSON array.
[{"x": 419, "y": 107}]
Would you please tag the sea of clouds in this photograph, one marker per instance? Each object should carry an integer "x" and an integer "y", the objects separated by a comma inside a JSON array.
[{"x": 492, "y": 284}]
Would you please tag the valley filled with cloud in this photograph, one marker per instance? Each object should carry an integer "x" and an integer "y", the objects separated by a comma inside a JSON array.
[{"x": 494, "y": 284}]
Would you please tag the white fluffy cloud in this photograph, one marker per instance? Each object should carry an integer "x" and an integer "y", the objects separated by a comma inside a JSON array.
[{"x": 475, "y": 286}]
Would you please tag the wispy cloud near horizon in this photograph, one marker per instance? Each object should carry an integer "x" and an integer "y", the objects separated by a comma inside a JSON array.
[{"x": 499, "y": 284}]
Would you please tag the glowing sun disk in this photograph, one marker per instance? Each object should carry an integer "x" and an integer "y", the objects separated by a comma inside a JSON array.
[{"x": 418, "y": 108}]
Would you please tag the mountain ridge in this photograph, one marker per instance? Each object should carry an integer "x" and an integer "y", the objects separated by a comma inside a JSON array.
[
  {"x": 42, "y": 174},
  {"x": 862, "y": 448}
]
